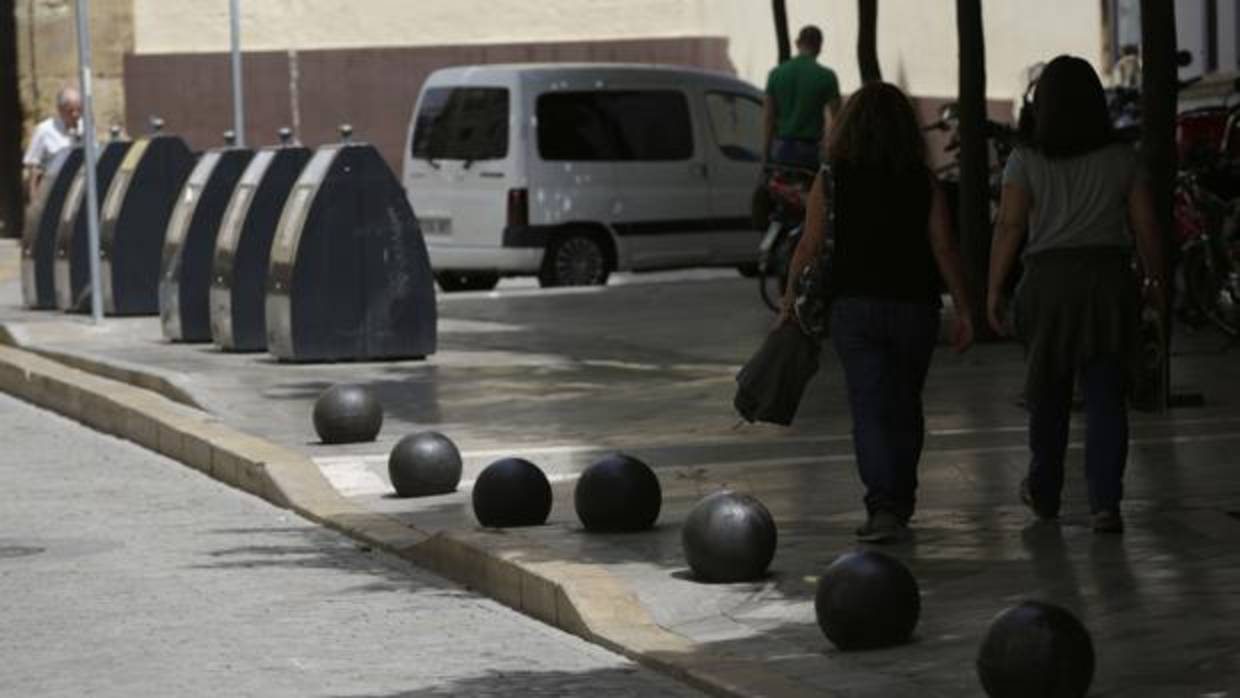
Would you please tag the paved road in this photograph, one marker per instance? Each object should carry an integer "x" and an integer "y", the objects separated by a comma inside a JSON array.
[{"x": 125, "y": 574}]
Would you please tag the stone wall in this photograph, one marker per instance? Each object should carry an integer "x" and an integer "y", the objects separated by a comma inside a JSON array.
[{"x": 48, "y": 60}]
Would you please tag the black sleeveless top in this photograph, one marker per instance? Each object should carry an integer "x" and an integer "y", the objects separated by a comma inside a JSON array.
[{"x": 882, "y": 242}]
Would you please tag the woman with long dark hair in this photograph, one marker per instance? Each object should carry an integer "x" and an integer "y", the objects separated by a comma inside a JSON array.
[
  {"x": 1074, "y": 192},
  {"x": 892, "y": 241}
]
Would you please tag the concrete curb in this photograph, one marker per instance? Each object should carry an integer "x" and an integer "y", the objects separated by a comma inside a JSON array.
[{"x": 579, "y": 598}]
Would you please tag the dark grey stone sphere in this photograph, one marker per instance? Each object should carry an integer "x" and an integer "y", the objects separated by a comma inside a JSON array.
[
  {"x": 512, "y": 492},
  {"x": 867, "y": 600},
  {"x": 618, "y": 493},
  {"x": 729, "y": 537},
  {"x": 424, "y": 464},
  {"x": 1036, "y": 649},
  {"x": 347, "y": 413}
]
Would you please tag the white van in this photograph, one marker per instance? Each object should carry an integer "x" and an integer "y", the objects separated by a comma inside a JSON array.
[{"x": 572, "y": 171}]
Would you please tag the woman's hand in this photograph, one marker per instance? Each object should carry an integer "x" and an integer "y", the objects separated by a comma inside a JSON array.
[
  {"x": 786, "y": 315},
  {"x": 963, "y": 333},
  {"x": 995, "y": 313}
]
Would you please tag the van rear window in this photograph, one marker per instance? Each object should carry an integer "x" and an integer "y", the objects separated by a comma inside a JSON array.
[
  {"x": 614, "y": 126},
  {"x": 462, "y": 123}
]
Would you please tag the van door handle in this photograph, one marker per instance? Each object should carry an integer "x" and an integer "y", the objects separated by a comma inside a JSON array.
[{"x": 699, "y": 169}]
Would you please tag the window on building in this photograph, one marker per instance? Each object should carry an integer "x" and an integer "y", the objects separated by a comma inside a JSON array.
[
  {"x": 462, "y": 123},
  {"x": 736, "y": 121},
  {"x": 651, "y": 125}
]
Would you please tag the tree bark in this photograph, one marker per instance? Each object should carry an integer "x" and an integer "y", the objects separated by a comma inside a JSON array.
[
  {"x": 975, "y": 228},
  {"x": 781, "y": 30},
  {"x": 867, "y": 41},
  {"x": 1159, "y": 94},
  {"x": 12, "y": 206},
  {"x": 1159, "y": 98}
]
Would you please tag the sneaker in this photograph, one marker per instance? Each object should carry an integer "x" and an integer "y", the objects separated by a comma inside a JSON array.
[
  {"x": 883, "y": 527},
  {"x": 1108, "y": 521},
  {"x": 1026, "y": 497}
]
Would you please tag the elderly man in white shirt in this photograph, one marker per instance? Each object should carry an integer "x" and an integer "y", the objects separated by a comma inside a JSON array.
[{"x": 51, "y": 136}]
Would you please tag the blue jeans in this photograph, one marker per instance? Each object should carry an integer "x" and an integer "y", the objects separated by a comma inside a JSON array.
[
  {"x": 791, "y": 151},
  {"x": 1106, "y": 435},
  {"x": 885, "y": 349}
]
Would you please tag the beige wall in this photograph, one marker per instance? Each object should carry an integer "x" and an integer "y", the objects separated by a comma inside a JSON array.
[
  {"x": 189, "y": 26},
  {"x": 917, "y": 38},
  {"x": 47, "y": 56}
]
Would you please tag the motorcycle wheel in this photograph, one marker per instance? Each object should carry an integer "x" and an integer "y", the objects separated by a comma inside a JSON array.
[
  {"x": 774, "y": 278},
  {"x": 1207, "y": 290}
]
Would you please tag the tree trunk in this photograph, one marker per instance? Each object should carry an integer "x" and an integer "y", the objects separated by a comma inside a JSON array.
[
  {"x": 781, "y": 30},
  {"x": 11, "y": 203},
  {"x": 1159, "y": 82},
  {"x": 1159, "y": 96},
  {"x": 975, "y": 229},
  {"x": 867, "y": 41}
]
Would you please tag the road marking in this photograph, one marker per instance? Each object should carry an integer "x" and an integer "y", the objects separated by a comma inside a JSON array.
[
  {"x": 579, "y": 449},
  {"x": 355, "y": 476}
]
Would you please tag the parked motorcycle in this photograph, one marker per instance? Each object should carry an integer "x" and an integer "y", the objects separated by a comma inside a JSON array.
[{"x": 786, "y": 190}]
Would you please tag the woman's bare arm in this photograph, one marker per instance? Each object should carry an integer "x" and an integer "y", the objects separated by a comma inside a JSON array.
[
  {"x": 947, "y": 258},
  {"x": 813, "y": 236},
  {"x": 1144, "y": 224},
  {"x": 1014, "y": 205}
]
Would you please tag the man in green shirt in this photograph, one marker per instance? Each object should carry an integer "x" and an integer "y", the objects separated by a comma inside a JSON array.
[{"x": 799, "y": 92}]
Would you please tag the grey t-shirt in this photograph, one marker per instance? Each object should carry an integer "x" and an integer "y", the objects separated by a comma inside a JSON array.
[{"x": 1076, "y": 202}]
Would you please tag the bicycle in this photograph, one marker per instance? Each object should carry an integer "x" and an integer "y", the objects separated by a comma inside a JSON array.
[{"x": 1206, "y": 226}]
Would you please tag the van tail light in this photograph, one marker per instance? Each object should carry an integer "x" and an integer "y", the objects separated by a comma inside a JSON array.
[{"x": 518, "y": 207}]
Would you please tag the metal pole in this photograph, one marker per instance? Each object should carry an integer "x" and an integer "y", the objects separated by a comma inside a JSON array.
[
  {"x": 234, "y": 17},
  {"x": 91, "y": 157}
]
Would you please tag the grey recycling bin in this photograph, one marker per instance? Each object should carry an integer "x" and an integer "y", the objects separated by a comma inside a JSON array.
[
  {"x": 71, "y": 269},
  {"x": 349, "y": 277},
  {"x": 243, "y": 248},
  {"x": 39, "y": 237},
  {"x": 189, "y": 244},
  {"x": 135, "y": 217}
]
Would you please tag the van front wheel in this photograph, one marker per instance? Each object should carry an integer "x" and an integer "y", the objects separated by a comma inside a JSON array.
[
  {"x": 452, "y": 281},
  {"x": 575, "y": 259}
]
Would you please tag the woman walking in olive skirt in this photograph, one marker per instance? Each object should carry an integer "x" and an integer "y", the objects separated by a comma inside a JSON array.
[{"x": 1075, "y": 193}]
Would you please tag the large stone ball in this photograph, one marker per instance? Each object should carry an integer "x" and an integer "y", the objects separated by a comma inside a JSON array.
[
  {"x": 618, "y": 493},
  {"x": 867, "y": 600},
  {"x": 729, "y": 537},
  {"x": 347, "y": 413},
  {"x": 423, "y": 464},
  {"x": 512, "y": 492},
  {"x": 1036, "y": 649}
]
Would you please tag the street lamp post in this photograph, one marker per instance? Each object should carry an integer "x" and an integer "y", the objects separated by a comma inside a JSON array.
[{"x": 91, "y": 157}]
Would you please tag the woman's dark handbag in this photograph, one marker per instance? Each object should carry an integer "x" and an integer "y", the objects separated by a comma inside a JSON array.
[
  {"x": 770, "y": 385},
  {"x": 812, "y": 306}
]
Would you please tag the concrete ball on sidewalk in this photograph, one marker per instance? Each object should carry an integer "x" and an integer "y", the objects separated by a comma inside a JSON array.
[
  {"x": 618, "y": 493},
  {"x": 512, "y": 492},
  {"x": 347, "y": 413},
  {"x": 1036, "y": 649},
  {"x": 729, "y": 537},
  {"x": 423, "y": 464},
  {"x": 867, "y": 600}
]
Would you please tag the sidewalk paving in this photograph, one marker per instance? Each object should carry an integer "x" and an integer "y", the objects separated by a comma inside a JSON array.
[{"x": 562, "y": 378}]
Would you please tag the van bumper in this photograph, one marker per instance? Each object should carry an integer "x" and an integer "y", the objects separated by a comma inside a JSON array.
[{"x": 477, "y": 258}]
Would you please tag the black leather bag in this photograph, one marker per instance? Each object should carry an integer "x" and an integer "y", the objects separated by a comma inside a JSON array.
[{"x": 814, "y": 291}]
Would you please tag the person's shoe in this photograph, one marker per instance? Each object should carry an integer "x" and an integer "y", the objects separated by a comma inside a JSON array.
[
  {"x": 1026, "y": 497},
  {"x": 883, "y": 527},
  {"x": 1108, "y": 521}
]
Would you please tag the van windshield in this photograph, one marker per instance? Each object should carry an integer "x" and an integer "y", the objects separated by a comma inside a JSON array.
[{"x": 462, "y": 123}]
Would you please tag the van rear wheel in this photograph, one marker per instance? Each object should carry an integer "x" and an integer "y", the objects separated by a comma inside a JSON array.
[
  {"x": 575, "y": 259},
  {"x": 452, "y": 281}
]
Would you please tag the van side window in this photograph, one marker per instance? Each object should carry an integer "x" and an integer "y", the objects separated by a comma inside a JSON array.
[
  {"x": 462, "y": 123},
  {"x": 736, "y": 121},
  {"x": 614, "y": 126}
]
